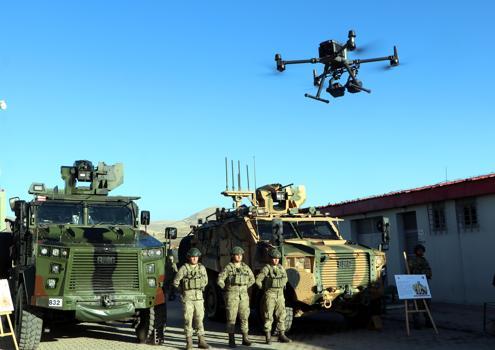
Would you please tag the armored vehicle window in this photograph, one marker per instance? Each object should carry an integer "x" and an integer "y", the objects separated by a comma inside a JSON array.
[
  {"x": 60, "y": 213},
  {"x": 109, "y": 214},
  {"x": 264, "y": 229},
  {"x": 315, "y": 229}
]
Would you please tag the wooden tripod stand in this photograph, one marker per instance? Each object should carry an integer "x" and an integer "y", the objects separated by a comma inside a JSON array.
[
  {"x": 11, "y": 333},
  {"x": 415, "y": 308}
]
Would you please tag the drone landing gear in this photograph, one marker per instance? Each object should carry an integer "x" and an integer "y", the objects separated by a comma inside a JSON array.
[{"x": 316, "y": 98}]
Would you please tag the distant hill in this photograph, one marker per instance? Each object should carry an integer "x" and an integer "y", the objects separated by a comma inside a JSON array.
[{"x": 157, "y": 228}]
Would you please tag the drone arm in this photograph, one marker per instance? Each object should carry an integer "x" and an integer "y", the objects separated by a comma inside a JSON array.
[
  {"x": 310, "y": 60},
  {"x": 368, "y": 60}
]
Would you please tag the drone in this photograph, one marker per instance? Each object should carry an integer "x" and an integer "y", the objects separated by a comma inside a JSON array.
[{"x": 333, "y": 55}]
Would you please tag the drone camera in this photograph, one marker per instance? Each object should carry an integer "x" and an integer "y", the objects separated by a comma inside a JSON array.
[
  {"x": 354, "y": 86},
  {"x": 336, "y": 90}
]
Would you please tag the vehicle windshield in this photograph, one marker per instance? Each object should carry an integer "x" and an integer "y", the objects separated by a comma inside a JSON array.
[
  {"x": 264, "y": 229},
  {"x": 60, "y": 213},
  {"x": 315, "y": 229},
  {"x": 109, "y": 214}
]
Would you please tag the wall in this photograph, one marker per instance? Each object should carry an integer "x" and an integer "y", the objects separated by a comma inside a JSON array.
[{"x": 463, "y": 262}]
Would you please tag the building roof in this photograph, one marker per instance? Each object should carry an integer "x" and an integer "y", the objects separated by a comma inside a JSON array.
[{"x": 470, "y": 187}]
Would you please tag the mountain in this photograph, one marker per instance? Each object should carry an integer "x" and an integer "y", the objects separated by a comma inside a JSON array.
[{"x": 157, "y": 228}]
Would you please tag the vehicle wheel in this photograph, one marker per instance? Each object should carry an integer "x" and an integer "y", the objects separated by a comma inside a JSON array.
[
  {"x": 150, "y": 328},
  {"x": 289, "y": 311},
  {"x": 28, "y": 325},
  {"x": 289, "y": 316},
  {"x": 214, "y": 304}
]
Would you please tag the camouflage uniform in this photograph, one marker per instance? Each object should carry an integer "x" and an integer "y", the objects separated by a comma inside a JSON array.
[
  {"x": 235, "y": 279},
  {"x": 418, "y": 265},
  {"x": 272, "y": 279},
  {"x": 191, "y": 280}
]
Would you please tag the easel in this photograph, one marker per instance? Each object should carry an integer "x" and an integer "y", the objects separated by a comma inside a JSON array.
[
  {"x": 416, "y": 309},
  {"x": 11, "y": 333}
]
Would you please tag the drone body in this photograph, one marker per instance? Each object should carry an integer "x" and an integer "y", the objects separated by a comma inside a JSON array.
[{"x": 333, "y": 55}]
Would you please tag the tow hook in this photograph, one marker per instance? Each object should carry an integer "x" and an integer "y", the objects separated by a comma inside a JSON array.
[
  {"x": 327, "y": 300},
  {"x": 106, "y": 301}
]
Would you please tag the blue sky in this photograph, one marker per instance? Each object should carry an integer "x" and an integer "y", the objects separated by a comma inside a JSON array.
[{"x": 171, "y": 89}]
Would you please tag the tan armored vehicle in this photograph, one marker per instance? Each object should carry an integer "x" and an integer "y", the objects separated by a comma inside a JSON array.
[{"x": 325, "y": 271}]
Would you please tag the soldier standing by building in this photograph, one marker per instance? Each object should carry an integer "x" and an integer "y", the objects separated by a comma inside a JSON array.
[
  {"x": 418, "y": 265},
  {"x": 191, "y": 279},
  {"x": 272, "y": 279},
  {"x": 170, "y": 273},
  {"x": 235, "y": 279}
]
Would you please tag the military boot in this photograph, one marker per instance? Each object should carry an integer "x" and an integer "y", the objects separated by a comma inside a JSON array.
[
  {"x": 189, "y": 345},
  {"x": 232, "y": 340},
  {"x": 245, "y": 339},
  {"x": 202, "y": 344},
  {"x": 283, "y": 338},
  {"x": 268, "y": 338}
]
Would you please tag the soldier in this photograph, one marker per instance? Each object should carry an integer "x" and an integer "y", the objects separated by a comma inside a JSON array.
[
  {"x": 273, "y": 278},
  {"x": 235, "y": 279},
  {"x": 170, "y": 273},
  {"x": 192, "y": 279},
  {"x": 418, "y": 265}
]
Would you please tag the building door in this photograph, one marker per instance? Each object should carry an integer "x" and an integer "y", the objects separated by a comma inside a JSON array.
[{"x": 410, "y": 230}]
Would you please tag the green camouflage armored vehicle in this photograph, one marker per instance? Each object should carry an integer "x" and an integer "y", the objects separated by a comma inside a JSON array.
[
  {"x": 78, "y": 254},
  {"x": 324, "y": 270}
]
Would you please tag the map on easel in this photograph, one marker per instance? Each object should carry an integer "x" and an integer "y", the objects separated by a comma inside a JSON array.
[
  {"x": 6, "y": 305},
  {"x": 412, "y": 287}
]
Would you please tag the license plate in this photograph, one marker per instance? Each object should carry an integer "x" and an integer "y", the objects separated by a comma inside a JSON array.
[
  {"x": 345, "y": 264},
  {"x": 55, "y": 302}
]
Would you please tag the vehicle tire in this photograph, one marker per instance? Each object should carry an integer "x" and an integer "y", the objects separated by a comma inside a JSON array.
[
  {"x": 289, "y": 318},
  {"x": 214, "y": 303},
  {"x": 150, "y": 328},
  {"x": 28, "y": 325},
  {"x": 258, "y": 316}
]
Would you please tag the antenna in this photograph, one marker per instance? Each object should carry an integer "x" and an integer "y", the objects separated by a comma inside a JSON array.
[
  {"x": 254, "y": 163},
  {"x": 238, "y": 175},
  {"x": 232, "y": 168},
  {"x": 247, "y": 176},
  {"x": 226, "y": 175}
]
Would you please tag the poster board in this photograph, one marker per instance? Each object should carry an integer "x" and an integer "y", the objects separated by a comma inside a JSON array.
[
  {"x": 6, "y": 305},
  {"x": 412, "y": 287}
]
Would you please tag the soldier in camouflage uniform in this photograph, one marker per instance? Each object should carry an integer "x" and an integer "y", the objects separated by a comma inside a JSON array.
[
  {"x": 170, "y": 273},
  {"x": 191, "y": 279},
  {"x": 418, "y": 265},
  {"x": 272, "y": 279},
  {"x": 235, "y": 279}
]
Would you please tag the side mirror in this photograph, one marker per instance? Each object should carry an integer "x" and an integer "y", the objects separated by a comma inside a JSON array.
[
  {"x": 145, "y": 217},
  {"x": 170, "y": 233},
  {"x": 12, "y": 202},
  {"x": 277, "y": 232}
]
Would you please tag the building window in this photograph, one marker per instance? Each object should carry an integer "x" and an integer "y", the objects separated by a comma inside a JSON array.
[
  {"x": 436, "y": 215},
  {"x": 467, "y": 215}
]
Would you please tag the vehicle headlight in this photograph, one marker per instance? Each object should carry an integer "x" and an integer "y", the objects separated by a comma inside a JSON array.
[
  {"x": 150, "y": 268},
  {"x": 65, "y": 253},
  {"x": 56, "y": 252},
  {"x": 151, "y": 282},
  {"x": 51, "y": 283},
  {"x": 44, "y": 251},
  {"x": 55, "y": 268},
  {"x": 380, "y": 260}
]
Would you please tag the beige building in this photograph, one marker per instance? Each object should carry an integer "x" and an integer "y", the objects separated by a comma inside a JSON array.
[{"x": 454, "y": 220}]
